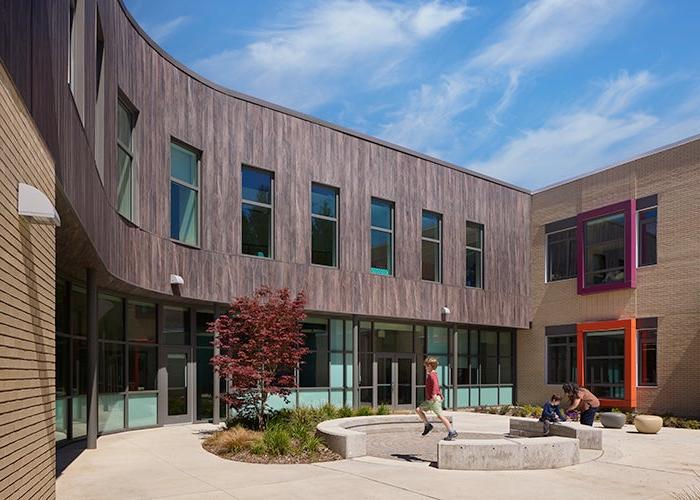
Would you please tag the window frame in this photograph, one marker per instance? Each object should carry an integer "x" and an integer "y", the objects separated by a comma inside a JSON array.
[
  {"x": 198, "y": 153},
  {"x": 627, "y": 208},
  {"x": 390, "y": 232},
  {"x": 639, "y": 332},
  {"x": 130, "y": 151},
  {"x": 547, "y": 274},
  {"x": 481, "y": 255},
  {"x": 572, "y": 341},
  {"x": 432, "y": 240},
  {"x": 271, "y": 206},
  {"x": 335, "y": 220},
  {"x": 638, "y": 228}
]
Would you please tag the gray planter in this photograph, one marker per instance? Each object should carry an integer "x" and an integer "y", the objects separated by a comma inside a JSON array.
[{"x": 612, "y": 420}]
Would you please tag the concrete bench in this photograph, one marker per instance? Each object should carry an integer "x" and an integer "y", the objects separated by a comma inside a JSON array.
[
  {"x": 508, "y": 454},
  {"x": 348, "y": 436},
  {"x": 588, "y": 437}
]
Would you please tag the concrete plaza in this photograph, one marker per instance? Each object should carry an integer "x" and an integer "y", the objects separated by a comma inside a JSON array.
[{"x": 169, "y": 462}]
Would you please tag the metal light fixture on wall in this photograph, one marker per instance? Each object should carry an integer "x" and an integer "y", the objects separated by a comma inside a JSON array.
[{"x": 35, "y": 206}]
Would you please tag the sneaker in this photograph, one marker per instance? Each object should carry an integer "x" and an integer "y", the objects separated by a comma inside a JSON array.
[
  {"x": 427, "y": 429},
  {"x": 451, "y": 435}
]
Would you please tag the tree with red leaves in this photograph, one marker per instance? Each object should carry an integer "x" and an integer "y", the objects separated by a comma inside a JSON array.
[{"x": 260, "y": 344}]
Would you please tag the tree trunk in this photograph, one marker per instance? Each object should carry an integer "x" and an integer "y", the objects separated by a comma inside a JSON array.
[{"x": 261, "y": 411}]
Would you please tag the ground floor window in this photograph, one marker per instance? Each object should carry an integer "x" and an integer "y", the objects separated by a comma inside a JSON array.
[
  {"x": 605, "y": 363},
  {"x": 561, "y": 359},
  {"x": 646, "y": 357}
]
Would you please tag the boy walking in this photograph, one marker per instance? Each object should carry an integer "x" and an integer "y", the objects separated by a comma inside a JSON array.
[{"x": 433, "y": 400}]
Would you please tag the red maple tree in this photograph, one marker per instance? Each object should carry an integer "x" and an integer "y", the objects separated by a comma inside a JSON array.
[{"x": 260, "y": 344}]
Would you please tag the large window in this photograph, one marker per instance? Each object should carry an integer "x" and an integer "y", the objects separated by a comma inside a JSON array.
[
  {"x": 125, "y": 160},
  {"x": 646, "y": 237},
  {"x": 475, "y": 255},
  {"x": 184, "y": 195},
  {"x": 431, "y": 252},
  {"x": 382, "y": 237},
  {"x": 605, "y": 363},
  {"x": 646, "y": 357},
  {"x": 324, "y": 225},
  {"x": 561, "y": 359},
  {"x": 561, "y": 255},
  {"x": 313, "y": 372},
  {"x": 257, "y": 212},
  {"x": 76, "y": 54},
  {"x": 604, "y": 246},
  {"x": 100, "y": 92}
]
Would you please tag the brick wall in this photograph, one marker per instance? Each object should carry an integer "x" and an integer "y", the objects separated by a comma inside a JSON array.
[
  {"x": 27, "y": 300},
  {"x": 669, "y": 290}
]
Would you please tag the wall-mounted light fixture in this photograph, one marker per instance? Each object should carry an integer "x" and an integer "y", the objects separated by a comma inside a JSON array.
[
  {"x": 35, "y": 206},
  {"x": 445, "y": 312},
  {"x": 176, "y": 280}
]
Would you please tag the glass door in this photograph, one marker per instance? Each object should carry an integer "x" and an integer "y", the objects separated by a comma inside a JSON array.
[
  {"x": 385, "y": 379},
  {"x": 178, "y": 396},
  {"x": 394, "y": 380},
  {"x": 404, "y": 379}
]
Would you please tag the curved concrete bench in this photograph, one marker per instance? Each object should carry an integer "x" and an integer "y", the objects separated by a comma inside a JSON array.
[
  {"x": 501, "y": 453},
  {"x": 588, "y": 437},
  {"x": 348, "y": 436}
]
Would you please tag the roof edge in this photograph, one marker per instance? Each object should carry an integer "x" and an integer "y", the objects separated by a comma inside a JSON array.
[{"x": 260, "y": 102}]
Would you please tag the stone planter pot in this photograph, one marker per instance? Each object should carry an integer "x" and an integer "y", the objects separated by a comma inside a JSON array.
[
  {"x": 648, "y": 424},
  {"x": 612, "y": 420}
]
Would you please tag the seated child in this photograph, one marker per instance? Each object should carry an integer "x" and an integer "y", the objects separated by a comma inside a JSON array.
[{"x": 551, "y": 412}]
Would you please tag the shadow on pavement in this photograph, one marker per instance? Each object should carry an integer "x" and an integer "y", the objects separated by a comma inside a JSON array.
[{"x": 65, "y": 455}]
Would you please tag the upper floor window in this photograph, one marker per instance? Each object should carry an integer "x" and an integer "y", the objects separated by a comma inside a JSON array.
[
  {"x": 382, "y": 237},
  {"x": 125, "y": 160},
  {"x": 324, "y": 225},
  {"x": 561, "y": 358},
  {"x": 184, "y": 194},
  {"x": 606, "y": 248},
  {"x": 76, "y": 55},
  {"x": 561, "y": 255},
  {"x": 646, "y": 237},
  {"x": 72, "y": 44},
  {"x": 431, "y": 243},
  {"x": 256, "y": 210},
  {"x": 475, "y": 255}
]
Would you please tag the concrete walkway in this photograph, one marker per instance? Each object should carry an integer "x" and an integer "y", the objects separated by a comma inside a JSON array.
[{"x": 170, "y": 463}]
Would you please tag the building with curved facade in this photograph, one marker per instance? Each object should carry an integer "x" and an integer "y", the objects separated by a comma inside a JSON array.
[{"x": 176, "y": 195}]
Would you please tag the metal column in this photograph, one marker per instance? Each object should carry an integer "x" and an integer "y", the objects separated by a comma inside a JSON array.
[
  {"x": 92, "y": 400},
  {"x": 217, "y": 394},
  {"x": 355, "y": 363},
  {"x": 455, "y": 359}
]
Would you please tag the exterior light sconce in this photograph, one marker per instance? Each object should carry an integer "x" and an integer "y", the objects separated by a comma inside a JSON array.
[
  {"x": 34, "y": 205},
  {"x": 445, "y": 312},
  {"x": 176, "y": 282}
]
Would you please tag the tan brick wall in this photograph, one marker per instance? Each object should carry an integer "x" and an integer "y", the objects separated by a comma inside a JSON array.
[
  {"x": 670, "y": 290},
  {"x": 27, "y": 303}
]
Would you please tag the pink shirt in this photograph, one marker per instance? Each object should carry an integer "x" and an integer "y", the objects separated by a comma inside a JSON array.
[{"x": 432, "y": 386}]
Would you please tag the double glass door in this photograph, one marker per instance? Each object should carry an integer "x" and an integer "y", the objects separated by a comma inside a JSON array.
[{"x": 394, "y": 375}]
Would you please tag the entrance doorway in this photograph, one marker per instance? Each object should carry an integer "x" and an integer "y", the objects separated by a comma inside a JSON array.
[
  {"x": 177, "y": 400},
  {"x": 394, "y": 374}
]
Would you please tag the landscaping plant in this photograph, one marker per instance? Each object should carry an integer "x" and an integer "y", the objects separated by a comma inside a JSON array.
[{"x": 260, "y": 344}]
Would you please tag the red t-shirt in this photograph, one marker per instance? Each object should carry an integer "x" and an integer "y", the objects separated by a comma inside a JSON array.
[{"x": 432, "y": 386}]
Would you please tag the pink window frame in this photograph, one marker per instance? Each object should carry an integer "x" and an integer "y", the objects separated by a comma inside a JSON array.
[{"x": 628, "y": 209}]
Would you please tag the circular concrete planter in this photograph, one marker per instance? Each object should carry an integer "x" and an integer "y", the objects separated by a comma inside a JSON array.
[
  {"x": 612, "y": 420},
  {"x": 648, "y": 424}
]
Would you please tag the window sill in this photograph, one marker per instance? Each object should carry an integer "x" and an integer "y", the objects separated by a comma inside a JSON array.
[
  {"x": 645, "y": 266},
  {"x": 648, "y": 386},
  {"x": 560, "y": 280},
  {"x": 474, "y": 288},
  {"x": 259, "y": 257},
  {"x": 187, "y": 245},
  {"x": 322, "y": 266},
  {"x": 431, "y": 282}
]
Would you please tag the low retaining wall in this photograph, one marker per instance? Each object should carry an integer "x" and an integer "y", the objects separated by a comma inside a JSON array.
[
  {"x": 588, "y": 437},
  {"x": 508, "y": 454},
  {"x": 348, "y": 436}
]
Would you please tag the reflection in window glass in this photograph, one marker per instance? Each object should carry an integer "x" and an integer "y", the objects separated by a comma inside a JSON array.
[
  {"x": 324, "y": 225},
  {"x": 176, "y": 326},
  {"x": 256, "y": 234},
  {"x": 605, "y": 364},
  {"x": 561, "y": 359},
  {"x": 112, "y": 368},
  {"x": 184, "y": 195},
  {"x": 110, "y": 317},
  {"x": 430, "y": 246},
  {"x": 475, "y": 255},
  {"x": 143, "y": 366},
  {"x": 141, "y": 321},
  {"x": 646, "y": 357},
  {"x": 605, "y": 250},
  {"x": 647, "y": 237},
  {"x": 561, "y": 255},
  {"x": 382, "y": 237}
]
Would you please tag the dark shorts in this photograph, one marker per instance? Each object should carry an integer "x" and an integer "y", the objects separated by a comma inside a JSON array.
[{"x": 588, "y": 416}]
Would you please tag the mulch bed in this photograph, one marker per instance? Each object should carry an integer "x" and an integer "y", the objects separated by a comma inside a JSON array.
[{"x": 323, "y": 455}]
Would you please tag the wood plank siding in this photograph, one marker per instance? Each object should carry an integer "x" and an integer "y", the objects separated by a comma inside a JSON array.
[
  {"x": 230, "y": 130},
  {"x": 27, "y": 298}
]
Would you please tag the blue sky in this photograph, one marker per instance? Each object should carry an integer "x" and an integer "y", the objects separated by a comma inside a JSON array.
[{"x": 528, "y": 92}]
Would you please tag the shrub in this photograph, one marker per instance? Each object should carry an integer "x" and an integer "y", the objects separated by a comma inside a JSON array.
[
  {"x": 328, "y": 412},
  {"x": 232, "y": 440},
  {"x": 277, "y": 441},
  {"x": 345, "y": 412},
  {"x": 493, "y": 410},
  {"x": 363, "y": 411},
  {"x": 383, "y": 410},
  {"x": 504, "y": 410},
  {"x": 310, "y": 444},
  {"x": 258, "y": 448}
]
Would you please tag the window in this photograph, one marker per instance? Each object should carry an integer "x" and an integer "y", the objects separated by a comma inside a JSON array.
[
  {"x": 313, "y": 372},
  {"x": 475, "y": 255},
  {"x": 382, "y": 237},
  {"x": 430, "y": 246},
  {"x": 646, "y": 357},
  {"x": 605, "y": 250},
  {"x": 99, "y": 96},
  {"x": 561, "y": 255},
  {"x": 646, "y": 237},
  {"x": 141, "y": 321},
  {"x": 605, "y": 363},
  {"x": 76, "y": 54},
  {"x": 72, "y": 45},
  {"x": 125, "y": 160},
  {"x": 324, "y": 225},
  {"x": 110, "y": 317},
  {"x": 184, "y": 195},
  {"x": 176, "y": 326},
  {"x": 256, "y": 227},
  {"x": 561, "y": 359},
  {"x": 143, "y": 367}
]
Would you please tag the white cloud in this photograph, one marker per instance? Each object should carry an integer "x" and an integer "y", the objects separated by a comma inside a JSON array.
[
  {"x": 538, "y": 33},
  {"x": 334, "y": 42},
  {"x": 160, "y": 32},
  {"x": 586, "y": 137}
]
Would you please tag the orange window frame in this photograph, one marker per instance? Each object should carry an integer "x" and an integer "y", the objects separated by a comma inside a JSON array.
[{"x": 629, "y": 327}]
